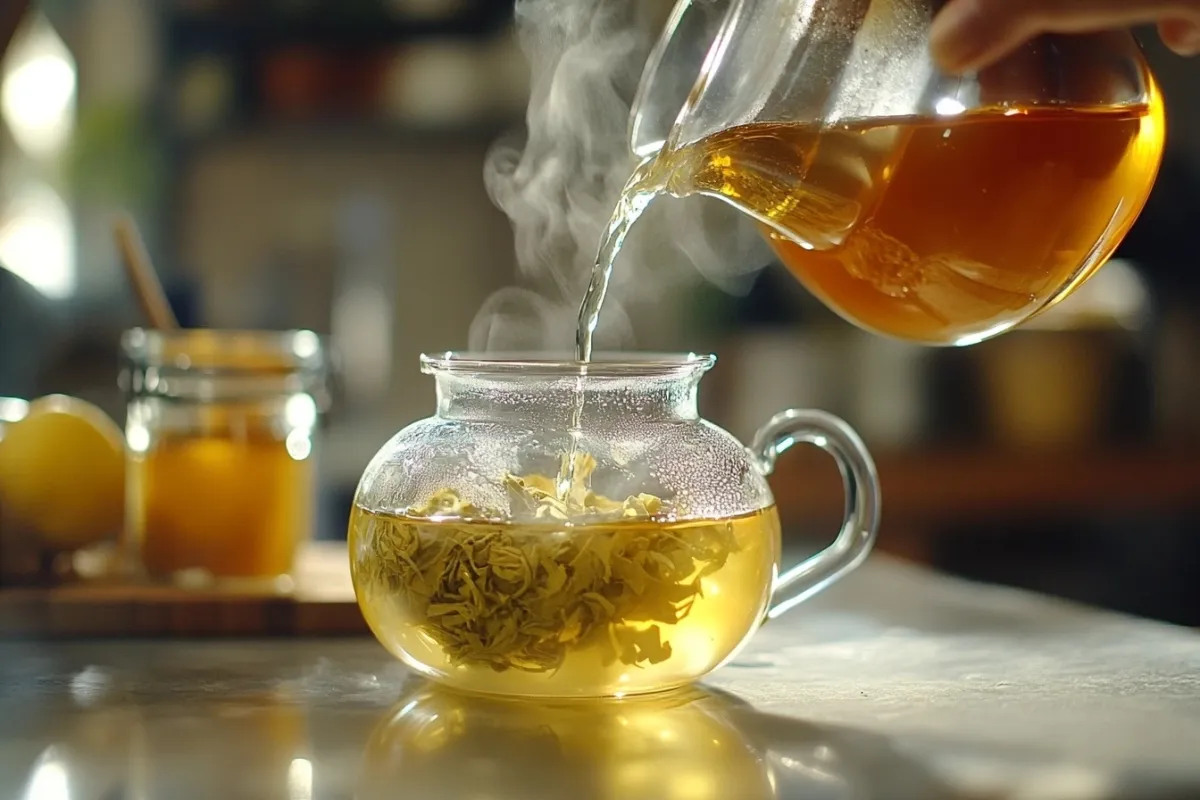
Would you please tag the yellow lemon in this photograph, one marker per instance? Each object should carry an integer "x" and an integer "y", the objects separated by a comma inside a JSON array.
[{"x": 62, "y": 473}]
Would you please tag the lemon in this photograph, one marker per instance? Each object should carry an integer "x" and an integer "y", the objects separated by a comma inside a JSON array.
[{"x": 62, "y": 473}]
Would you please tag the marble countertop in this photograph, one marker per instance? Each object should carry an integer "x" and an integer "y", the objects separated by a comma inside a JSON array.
[{"x": 896, "y": 683}]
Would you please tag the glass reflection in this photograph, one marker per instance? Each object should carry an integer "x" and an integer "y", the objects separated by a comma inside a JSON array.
[
  {"x": 48, "y": 780},
  {"x": 210, "y": 732},
  {"x": 253, "y": 745},
  {"x": 674, "y": 747}
]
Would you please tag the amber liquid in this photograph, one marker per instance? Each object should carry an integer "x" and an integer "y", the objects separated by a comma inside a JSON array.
[
  {"x": 220, "y": 506},
  {"x": 939, "y": 231},
  {"x": 718, "y": 619}
]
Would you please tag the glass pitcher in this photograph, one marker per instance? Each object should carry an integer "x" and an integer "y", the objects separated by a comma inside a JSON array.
[
  {"x": 932, "y": 208},
  {"x": 560, "y": 529}
]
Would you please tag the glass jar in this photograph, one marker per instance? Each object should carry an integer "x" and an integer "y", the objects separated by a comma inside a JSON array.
[
  {"x": 567, "y": 529},
  {"x": 219, "y": 436},
  {"x": 15, "y": 565}
]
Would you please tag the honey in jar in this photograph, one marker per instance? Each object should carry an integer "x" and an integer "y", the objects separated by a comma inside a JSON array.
[
  {"x": 219, "y": 438},
  {"x": 230, "y": 506}
]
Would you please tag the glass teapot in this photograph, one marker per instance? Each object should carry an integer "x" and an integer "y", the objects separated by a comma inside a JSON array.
[
  {"x": 560, "y": 529},
  {"x": 937, "y": 209}
]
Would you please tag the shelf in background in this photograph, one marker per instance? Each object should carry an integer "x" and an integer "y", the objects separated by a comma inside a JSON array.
[
  {"x": 342, "y": 29},
  {"x": 924, "y": 488},
  {"x": 337, "y": 35},
  {"x": 230, "y": 73},
  {"x": 319, "y": 130}
]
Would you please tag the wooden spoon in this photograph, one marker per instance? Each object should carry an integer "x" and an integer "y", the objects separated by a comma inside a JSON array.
[{"x": 146, "y": 286}]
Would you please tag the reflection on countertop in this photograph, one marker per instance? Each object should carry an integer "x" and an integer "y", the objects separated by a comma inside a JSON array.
[
  {"x": 116, "y": 735},
  {"x": 896, "y": 684},
  {"x": 694, "y": 745}
]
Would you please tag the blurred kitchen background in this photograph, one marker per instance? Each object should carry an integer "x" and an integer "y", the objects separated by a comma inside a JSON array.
[{"x": 309, "y": 164}]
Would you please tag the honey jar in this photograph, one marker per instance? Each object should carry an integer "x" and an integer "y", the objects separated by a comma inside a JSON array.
[{"x": 220, "y": 444}]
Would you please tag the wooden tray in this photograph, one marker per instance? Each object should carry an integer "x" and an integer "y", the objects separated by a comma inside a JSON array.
[{"x": 322, "y": 604}]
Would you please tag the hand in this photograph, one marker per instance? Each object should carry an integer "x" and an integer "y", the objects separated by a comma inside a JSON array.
[{"x": 968, "y": 35}]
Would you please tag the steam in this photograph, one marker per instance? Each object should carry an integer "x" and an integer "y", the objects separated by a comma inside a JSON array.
[{"x": 559, "y": 183}]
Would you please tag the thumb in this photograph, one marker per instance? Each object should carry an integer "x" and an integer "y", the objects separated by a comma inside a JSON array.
[
  {"x": 968, "y": 34},
  {"x": 1181, "y": 36}
]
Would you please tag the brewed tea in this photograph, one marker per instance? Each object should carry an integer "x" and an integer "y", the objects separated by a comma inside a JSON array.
[
  {"x": 937, "y": 230},
  {"x": 548, "y": 606}
]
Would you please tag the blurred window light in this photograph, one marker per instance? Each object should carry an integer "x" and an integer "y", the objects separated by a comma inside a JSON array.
[
  {"x": 49, "y": 780},
  {"x": 949, "y": 107},
  {"x": 13, "y": 409},
  {"x": 1117, "y": 296},
  {"x": 300, "y": 779},
  {"x": 37, "y": 97},
  {"x": 37, "y": 241},
  {"x": 362, "y": 329}
]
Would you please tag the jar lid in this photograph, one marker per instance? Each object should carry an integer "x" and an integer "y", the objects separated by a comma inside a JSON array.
[{"x": 225, "y": 365}]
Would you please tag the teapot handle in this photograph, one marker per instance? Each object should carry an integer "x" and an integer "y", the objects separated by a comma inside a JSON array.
[{"x": 861, "y": 482}]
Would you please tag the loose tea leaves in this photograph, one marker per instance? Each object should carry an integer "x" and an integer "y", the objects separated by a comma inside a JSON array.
[
  {"x": 522, "y": 596},
  {"x": 543, "y": 498}
]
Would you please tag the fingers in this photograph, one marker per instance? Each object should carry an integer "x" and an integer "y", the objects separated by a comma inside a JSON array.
[
  {"x": 968, "y": 35},
  {"x": 1181, "y": 36}
]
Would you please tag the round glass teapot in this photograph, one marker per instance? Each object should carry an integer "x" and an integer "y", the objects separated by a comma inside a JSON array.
[
  {"x": 934, "y": 208},
  {"x": 564, "y": 529}
]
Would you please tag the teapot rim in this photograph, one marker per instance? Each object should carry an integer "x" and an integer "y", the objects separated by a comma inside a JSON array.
[{"x": 617, "y": 364}]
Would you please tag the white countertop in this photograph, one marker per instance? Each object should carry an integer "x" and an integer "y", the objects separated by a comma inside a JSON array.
[{"x": 896, "y": 683}]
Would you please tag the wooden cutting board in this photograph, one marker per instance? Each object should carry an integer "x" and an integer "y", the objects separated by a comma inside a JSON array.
[{"x": 322, "y": 604}]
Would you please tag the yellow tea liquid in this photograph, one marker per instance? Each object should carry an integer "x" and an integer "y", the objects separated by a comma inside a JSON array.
[
  {"x": 934, "y": 230},
  {"x": 557, "y": 610},
  {"x": 229, "y": 507}
]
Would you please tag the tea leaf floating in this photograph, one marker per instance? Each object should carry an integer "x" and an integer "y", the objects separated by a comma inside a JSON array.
[{"x": 516, "y": 596}]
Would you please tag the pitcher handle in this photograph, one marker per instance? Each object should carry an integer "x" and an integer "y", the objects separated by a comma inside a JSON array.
[{"x": 861, "y": 482}]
